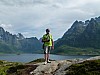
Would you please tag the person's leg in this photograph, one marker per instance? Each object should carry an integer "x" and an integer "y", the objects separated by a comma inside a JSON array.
[
  {"x": 48, "y": 59},
  {"x": 46, "y": 54},
  {"x": 45, "y": 57}
]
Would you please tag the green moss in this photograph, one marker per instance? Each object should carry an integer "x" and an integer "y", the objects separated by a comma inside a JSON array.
[
  {"x": 4, "y": 66},
  {"x": 91, "y": 67},
  {"x": 21, "y": 69},
  {"x": 1, "y": 62},
  {"x": 3, "y": 70}
]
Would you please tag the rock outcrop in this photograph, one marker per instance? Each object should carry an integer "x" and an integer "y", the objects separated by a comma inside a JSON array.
[
  {"x": 57, "y": 67},
  {"x": 51, "y": 68},
  {"x": 61, "y": 67}
]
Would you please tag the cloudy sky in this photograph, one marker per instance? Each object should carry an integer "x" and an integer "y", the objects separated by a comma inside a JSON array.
[{"x": 32, "y": 17}]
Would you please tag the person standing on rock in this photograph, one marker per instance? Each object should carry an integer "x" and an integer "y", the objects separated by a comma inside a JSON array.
[{"x": 48, "y": 44}]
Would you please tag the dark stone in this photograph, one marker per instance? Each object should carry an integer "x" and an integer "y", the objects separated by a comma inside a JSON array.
[{"x": 12, "y": 70}]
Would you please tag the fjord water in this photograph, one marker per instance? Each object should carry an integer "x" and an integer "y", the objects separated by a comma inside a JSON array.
[{"x": 30, "y": 57}]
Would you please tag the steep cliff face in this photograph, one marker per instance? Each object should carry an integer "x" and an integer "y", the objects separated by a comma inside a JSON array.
[
  {"x": 17, "y": 43},
  {"x": 81, "y": 35},
  {"x": 70, "y": 36},
  {"x": 90, "y": 36},
  {"x": 30, "y": 45}
]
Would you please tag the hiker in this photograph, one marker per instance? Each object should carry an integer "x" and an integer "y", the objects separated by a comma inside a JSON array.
[{"x": 48, "y": 45}]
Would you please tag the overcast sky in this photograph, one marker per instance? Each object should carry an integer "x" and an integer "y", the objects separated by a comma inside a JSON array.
[{"x": 32, "y": 17}]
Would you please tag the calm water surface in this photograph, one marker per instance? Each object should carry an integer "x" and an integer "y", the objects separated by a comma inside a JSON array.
[{"x": 30, "y": 57}]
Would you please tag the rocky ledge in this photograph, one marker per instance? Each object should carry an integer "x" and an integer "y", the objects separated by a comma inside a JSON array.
[{"x": 89, "y": 66}]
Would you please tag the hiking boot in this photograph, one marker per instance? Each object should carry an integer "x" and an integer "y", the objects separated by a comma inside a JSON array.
[
  {"x": 45, "y": 63},
  {"x": 48, "y": 61}
]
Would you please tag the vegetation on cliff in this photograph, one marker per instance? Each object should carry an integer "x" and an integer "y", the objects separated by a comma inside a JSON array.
[{"x": 91, "y": 67}]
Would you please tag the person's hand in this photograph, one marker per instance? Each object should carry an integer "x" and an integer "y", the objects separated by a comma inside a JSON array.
[{"x": 52, "y": 47}]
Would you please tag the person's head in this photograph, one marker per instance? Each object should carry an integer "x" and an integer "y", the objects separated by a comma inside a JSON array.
[{"x": 47, "y": 31}]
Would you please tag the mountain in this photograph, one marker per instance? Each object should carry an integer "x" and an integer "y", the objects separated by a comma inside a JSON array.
[
  {"x": 82, "y": 37},
  {"x": 69, "y": 37},
  {"x": 17, "y": 43},
  {"x": 30, "y": 45},
  {"x": 91, "y": 35}
]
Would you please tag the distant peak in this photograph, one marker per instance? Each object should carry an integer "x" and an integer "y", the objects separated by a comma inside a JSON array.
[
  {"x": 1, "y": 29},
  {"x": 92, "y": 19},
  {"x": 20, "y": 36},
  {"x": 76, "y": 21}
]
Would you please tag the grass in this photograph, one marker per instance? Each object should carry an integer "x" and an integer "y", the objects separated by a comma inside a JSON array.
[
  {"x": 91, "y": 67},
  {"x": 4, "y": 66},
  {"x": 15, "y": 68}
]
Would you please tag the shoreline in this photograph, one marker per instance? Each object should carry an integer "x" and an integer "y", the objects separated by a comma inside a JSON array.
[
  {"x": 25, "y": 58},
  {"x": 56, "y": 54}
]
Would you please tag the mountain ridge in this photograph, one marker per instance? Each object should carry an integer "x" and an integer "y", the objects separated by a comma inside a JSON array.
[
  {"x": 18, "y": 43},
  {"x": 82, "y": 37}
]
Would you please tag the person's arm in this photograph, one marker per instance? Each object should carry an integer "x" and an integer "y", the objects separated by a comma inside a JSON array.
[
  {"x": 43, "y": 39},
  {"x": 52, "y": 44}
]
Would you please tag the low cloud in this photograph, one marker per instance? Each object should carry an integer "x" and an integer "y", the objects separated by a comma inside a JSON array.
[{"x": 32, "y": 17}]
